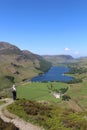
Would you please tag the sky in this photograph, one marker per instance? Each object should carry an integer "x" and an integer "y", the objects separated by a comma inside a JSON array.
[{"x": 45, "y": 27}]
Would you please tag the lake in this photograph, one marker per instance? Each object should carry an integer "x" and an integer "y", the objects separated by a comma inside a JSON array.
[{"x": 56, "y": 73}]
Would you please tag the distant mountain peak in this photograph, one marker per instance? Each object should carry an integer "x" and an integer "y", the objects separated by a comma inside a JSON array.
[
  {"x": 56, "y": 59},
  {"x": 7, "y": 48}
]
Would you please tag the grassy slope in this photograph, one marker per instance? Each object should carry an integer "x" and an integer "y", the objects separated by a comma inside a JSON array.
[
  {"x": 78, "y": 93},
  {"x": 26, "y": 70},
  {"x": 50, "y": 116}
]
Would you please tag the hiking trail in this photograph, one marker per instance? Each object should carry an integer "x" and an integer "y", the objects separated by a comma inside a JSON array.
[{"x": 6, "y": 116}]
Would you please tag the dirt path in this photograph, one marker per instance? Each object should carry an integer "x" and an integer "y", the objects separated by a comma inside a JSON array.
[{"x": 18, "y": 122}]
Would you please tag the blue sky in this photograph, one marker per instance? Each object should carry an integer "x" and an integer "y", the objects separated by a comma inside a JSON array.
[{"x": 51, "y": 27}]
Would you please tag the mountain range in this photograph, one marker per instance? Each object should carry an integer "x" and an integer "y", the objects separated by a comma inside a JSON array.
[
  {"x": 57, "y": 59},
  {"x": 18, "y": 65}
]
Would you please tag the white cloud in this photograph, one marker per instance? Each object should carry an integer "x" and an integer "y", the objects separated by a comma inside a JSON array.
[
  {"x": 76, "y": 52},
  {"x": 67, "y": 49}
]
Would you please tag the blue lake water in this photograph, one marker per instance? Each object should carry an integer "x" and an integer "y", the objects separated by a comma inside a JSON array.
[{"x": 56, "y": 73}]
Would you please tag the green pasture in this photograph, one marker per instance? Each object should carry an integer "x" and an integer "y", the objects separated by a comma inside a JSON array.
[{"x": 39, "y": 91}]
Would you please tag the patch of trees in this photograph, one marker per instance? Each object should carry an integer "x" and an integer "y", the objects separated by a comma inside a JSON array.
[
  {"x": 61, "y": 90},
  {"x": 15, "y": 65},
  {"x": 79, "y": 70},
  {"x": 24, "y": 79},
  {"x": 66, "y": 97},
  {"x": 75, "y": 81},
  {"x": 44, "y": 65},
  {"x": 11, "y": 78},
  {"x": 76, "y": 70},
  {"x": 17, "y": 72}
]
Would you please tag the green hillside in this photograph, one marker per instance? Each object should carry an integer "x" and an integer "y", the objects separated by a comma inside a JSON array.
[{"x": 18, "y": 66}]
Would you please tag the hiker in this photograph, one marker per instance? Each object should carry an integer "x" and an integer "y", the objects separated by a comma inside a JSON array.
[{"x": 14, "y": 92}]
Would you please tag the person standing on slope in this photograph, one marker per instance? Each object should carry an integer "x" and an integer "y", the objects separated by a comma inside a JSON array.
[{"x": 14, "y": 92}]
